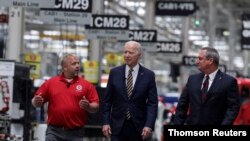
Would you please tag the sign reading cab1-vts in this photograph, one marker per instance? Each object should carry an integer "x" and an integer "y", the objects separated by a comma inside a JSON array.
[
  {"x": 68, "y": 12},
  {"x": 29, "y": 3},
  {"x": 169, "y": 47},
  {"x": 108, "y": 27},
  {"x": 175, "y": 8}
]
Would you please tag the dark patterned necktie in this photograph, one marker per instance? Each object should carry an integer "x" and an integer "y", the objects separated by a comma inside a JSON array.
[
  {"x": 204, "y": 89},
  {"x": 130, "y": 83},
  {"x": 129, "y": 90}
]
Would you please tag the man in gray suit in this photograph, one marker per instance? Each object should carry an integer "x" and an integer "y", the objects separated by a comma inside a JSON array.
[
  {"x": 214, "y": 101},
  {"x": 130, "y": 102}
]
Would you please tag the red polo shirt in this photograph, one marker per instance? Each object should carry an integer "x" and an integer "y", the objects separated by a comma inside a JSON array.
[{"x": 63, "y": 100}]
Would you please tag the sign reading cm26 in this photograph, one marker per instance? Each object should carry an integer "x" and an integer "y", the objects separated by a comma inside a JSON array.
[
  {"x": 74, "y": 5},
  {"x": 110, "y": 22},
  {"x": 169, "y": 47}
]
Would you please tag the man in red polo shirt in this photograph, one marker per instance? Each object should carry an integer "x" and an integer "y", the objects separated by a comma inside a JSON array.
[{"x": 70, "y": 98}]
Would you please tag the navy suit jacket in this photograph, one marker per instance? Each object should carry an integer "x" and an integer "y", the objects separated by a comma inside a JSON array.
[
  {"x": 220, "y": 108},
  {"x": 143, "y": 103}
]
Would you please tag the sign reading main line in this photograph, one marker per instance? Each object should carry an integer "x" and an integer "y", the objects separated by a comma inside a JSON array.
[
  {"x": 29, "y": 3},
  {"x": 70, "y": 5}
]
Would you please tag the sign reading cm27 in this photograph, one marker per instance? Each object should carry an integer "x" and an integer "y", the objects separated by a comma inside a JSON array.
[{"x": 143, "y": 35}]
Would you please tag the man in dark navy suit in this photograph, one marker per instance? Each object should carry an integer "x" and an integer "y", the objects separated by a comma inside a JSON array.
[
  {"x": 212, "y": 102},
  {"x": 130, "y": 102}
]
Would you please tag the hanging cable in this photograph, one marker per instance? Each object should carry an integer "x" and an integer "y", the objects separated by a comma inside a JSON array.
[
  {"x": 62, "y": 41},
  {"x": 76, "y": 39}
]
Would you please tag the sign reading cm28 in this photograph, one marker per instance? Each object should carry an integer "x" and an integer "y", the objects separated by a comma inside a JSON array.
[
  {"x": 74, "y": 5},
  {"x": 110, "y": 22}
]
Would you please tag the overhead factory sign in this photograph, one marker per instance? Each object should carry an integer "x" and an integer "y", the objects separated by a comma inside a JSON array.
[
  {"x": 147, "y": 38},
  {"x": 191, "y": 61},
  {"x": 245, "y": 32},
  {"x": 28, "y": 3},
  {"x": 175, "y": 8},
  {"x": 68, "y": 12},
  {"x": 169, "y": 47},
  {"x": 143, "y": 35},
  {"x": 108, "y": 27}
]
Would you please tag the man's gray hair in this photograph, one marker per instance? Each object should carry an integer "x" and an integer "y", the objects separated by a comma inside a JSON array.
[{"x": 212, "y": 53}]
